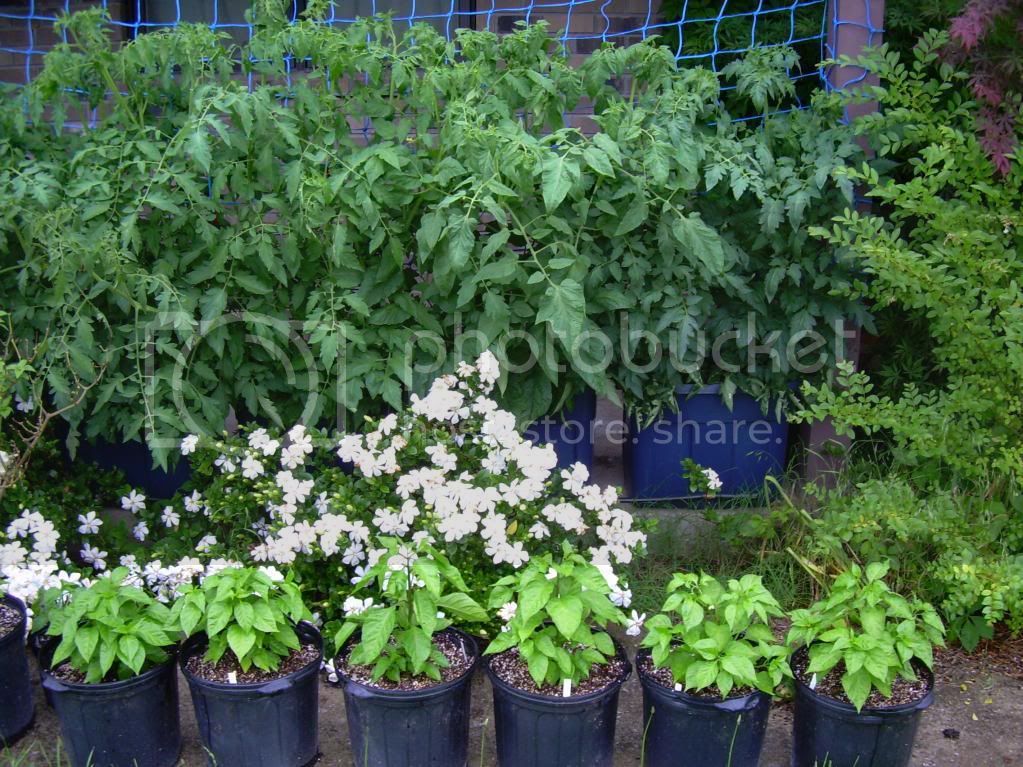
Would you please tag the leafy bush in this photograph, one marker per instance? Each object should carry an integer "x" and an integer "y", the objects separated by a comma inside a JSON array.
[
  {"x": 716, "y": 212},
  {"x": 556, "y": 612},
  {"x": 110, "y": 630},
  {"x": 958, "y": 552},
  {"x": 245, "y": 611},
  {"x": 718, "y": 636},
  {"x": 985, "y": 40},
  {"x": 869, "y": 632},
  {"x": 134, "y": 235},
  {"x": 945, "y": 246},
  {"x": 412, "y": 589}
]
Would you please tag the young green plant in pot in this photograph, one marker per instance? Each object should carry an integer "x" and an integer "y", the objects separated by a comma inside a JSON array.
[
  {"x": 252, "y": 663},
  {"x": 406, "y": 670},
  {"x": 109, "y": 672},
  {"x": 862, "y": 668},
  {"x": 556, "y": 672},
  {"x": 709, "y": 666}
]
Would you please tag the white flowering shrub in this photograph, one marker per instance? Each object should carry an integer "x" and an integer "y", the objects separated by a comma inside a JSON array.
[
  {"x": 30, "y": 563},
  {"x": 452, "y": 470},
  {"x": 60, "y": 506}
]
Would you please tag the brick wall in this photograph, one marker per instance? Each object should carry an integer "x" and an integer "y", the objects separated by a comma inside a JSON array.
[{"x": 24, "y": 40}]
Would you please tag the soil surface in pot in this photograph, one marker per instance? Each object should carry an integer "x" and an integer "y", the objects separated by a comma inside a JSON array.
[
  {"x": 448, "y": 645},
  {"x": 510, "y": 667},
  {"x": 10, "y": 619},
  {"x": 65, "y": 672},
  {"x": 664, "y": 678},
  {"x": 830, "y": 686},
  {"x": 221, "y": 670}
]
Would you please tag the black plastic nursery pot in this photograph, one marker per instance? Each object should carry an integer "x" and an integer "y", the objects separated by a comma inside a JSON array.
[
  {"x": 684, "y": 730},
  {"x": 546, "y": 731},
  {"x": 264, "y": 724},
  {"x": 419, "y": 728},
  {"x": 17, "y": 706},
  {"x": 828, "y": 731},
  {"x": 118, "y": 724}
]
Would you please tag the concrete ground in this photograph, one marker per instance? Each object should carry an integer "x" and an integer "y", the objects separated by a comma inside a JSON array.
[{"x": 976, "y": 721}]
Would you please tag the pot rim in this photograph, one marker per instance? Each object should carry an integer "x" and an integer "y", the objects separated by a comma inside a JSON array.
[
  {"x": 426, "y": 692},
  {"x": 19, "y": 630},
  {"x": 688, "y": 697},
  {"x": 847, "y": 708},
  {"x": 556, "y": 700},
  {"x": 50, "y": 681},
  {"x": 194, "y": 644}
]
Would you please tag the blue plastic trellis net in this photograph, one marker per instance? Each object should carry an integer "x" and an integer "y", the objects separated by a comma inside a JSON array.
[{"x": 706, "y": 32}]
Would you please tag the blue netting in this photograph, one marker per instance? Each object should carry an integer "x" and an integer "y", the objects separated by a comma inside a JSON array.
[{"x": 708, "y": 32}]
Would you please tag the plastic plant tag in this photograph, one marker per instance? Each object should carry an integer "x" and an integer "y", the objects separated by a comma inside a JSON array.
[
  {"x": 232, "y": 677},
  {"x": 566, "y": 688},
  {"x": 678, "y": 687},
  {"x": 813, "y": 682}
]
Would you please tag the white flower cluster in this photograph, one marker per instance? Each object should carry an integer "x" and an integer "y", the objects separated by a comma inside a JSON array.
[
  {"x": 714, "y": 482},
  {"x": 481, "y": 478},
  {"x": 24, "y": 571},
  {"x": 32, "y": 524},
  {"x": 28, "y": 578},
  {"x": 6, "y": 459}
]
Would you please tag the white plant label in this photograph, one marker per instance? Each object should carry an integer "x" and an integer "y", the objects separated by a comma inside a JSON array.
[
  {"x": 678, "y": 687},
  {"x": 232, "y": 677},
  {"x": 566, "y": 688},
  {"x": 813, "y": 682}
]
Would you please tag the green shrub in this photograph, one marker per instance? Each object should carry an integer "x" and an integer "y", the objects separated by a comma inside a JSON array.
[
  {"x": 198, "y": 232},
  {"x": 958, "y": 552},
  {"x": 556, "y": 613},
  {"x": 945, "y": 247},
  {"x": 415, "y": 593}
]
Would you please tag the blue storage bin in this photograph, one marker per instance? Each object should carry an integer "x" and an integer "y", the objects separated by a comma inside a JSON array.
[
  {"x": 571, "y": 431},
  {"x": 742, "y": 445},
  {"x": 136, "y": 461}
]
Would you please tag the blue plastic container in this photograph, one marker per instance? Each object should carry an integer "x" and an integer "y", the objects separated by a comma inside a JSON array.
[
  {"x": 570, "y": 431},
  {"x": 136, "y": 461},
  {"x": 742, "y": 445}
]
